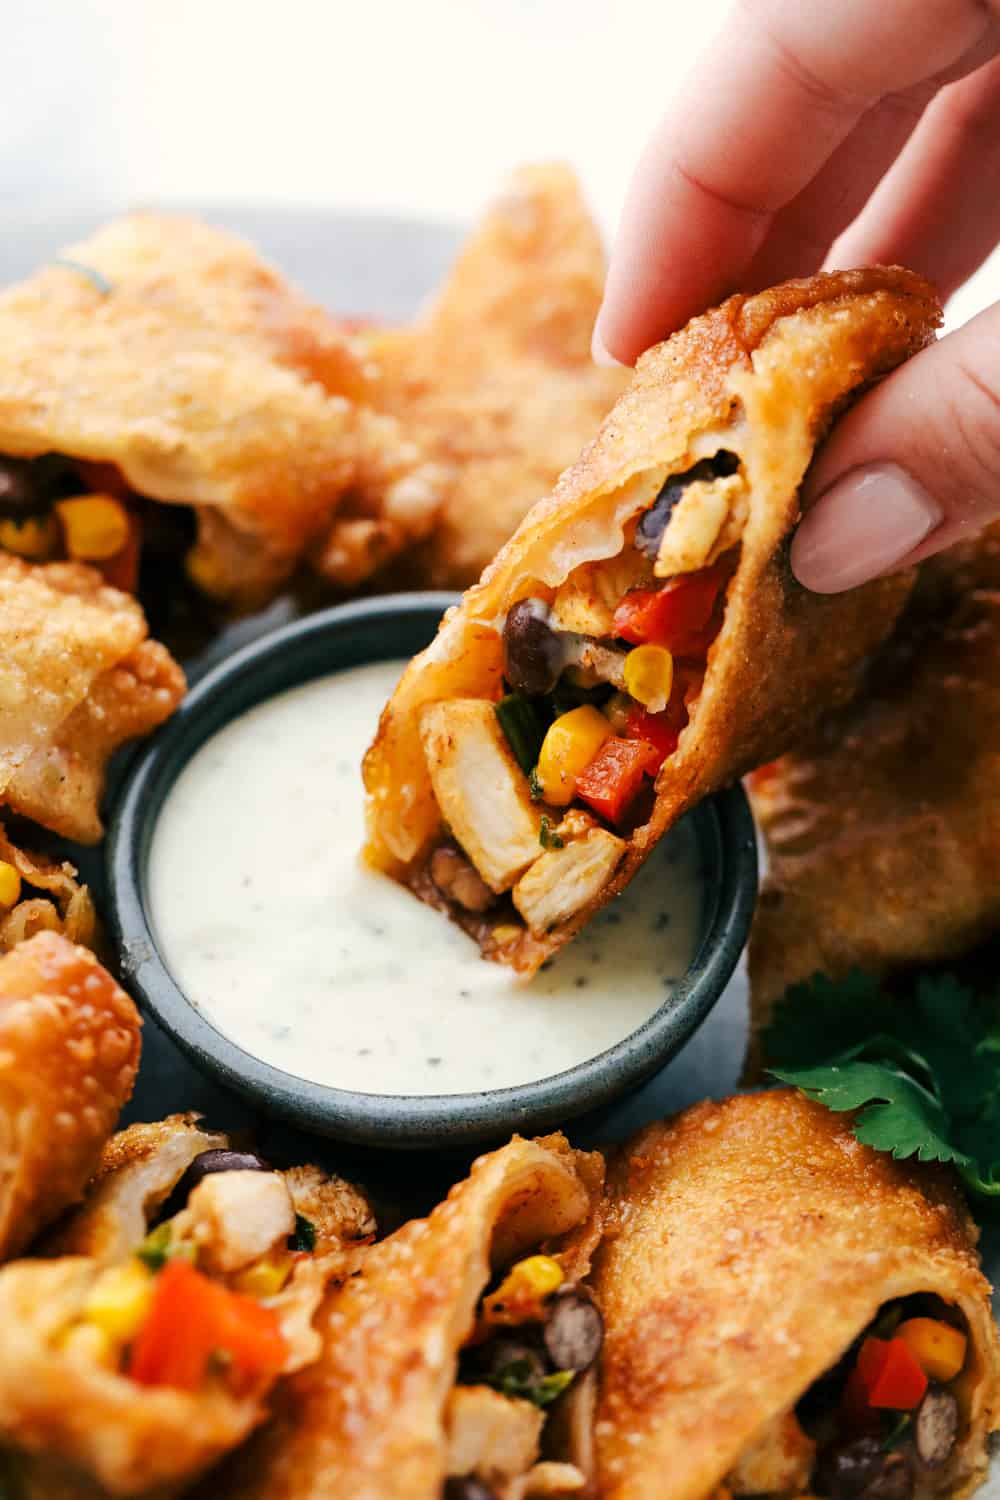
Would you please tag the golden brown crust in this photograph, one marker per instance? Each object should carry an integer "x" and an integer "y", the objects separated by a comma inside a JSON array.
[
  {"x": 78, "y": 678},
  {"x": 748, "y": 1244},
  {"x": 69, "y": 1051},
  {"x": 496, "y": 384},
  {"x": 54, "y": 901},
  {"x": 205, "y": 379},
  {"x": 883, "y": 830},
  {"x": 762, "y": 377},
  {"x": 368, "y": 1418}
]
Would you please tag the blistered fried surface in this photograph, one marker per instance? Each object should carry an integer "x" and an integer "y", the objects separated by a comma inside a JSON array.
[
  {"x": 496, "y": 384},
  {"x": 761, "y": 377},
  {"x": 367, "y": 1420},
  {"x": 69, "y": 1051},
  {"x": 748, "y": 1244},
  {"x": 206, "y": 380},
  {"x": 78, "y": 678},
  {"x": 883, "y": 831}
]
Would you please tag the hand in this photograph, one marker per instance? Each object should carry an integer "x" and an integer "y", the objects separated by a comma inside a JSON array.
[{"x": 853, "y": 133}]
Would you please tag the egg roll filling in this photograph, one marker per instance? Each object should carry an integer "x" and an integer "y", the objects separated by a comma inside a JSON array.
[
  {"x": 885, "y": 1423},
  {"x": 602, "y": 676},
  {"x": 535, "y": 1336},
  {"x": 199, "y": 1302}
]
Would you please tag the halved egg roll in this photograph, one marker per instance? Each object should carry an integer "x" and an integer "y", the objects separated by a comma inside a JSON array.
[
  {"x": 163, "y": 360},
  {"x": 69, "y": 1052},
  {"x": 642, "y": 623},
  {"x": 495, "y": 383},
  {"x": 444, "y": 1357},
  {"x": 136, "y": 1365},
  {"x": 883, "y": 829},
  {"x": 38, "y": 894},
  {"x": 788, "y": 1312},
  {"x": 78, "y": 677}
]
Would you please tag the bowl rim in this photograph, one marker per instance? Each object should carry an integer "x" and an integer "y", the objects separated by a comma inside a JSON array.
[{"x": 400, "y": 1121}]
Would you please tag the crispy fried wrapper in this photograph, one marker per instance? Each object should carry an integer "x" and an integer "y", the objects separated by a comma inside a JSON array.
[
  {"x": 52, "y": 900},
  {"x": 78, "y": 1428},
  {"x": 883, "y": 830},
  {"x": 759, "y": 378},
  {"x": 69, "y": 1052},
  {"x": 78, "y": 678},
  {"x": 172, "y": 351},
  {"x": 369, "y": 1419},
  {"x": 495, "y": 384},
  {"x": 748, "y": 1244}
]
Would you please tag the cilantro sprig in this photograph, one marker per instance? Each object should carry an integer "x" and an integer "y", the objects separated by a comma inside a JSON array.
[{"x": 922, "y": 1074}]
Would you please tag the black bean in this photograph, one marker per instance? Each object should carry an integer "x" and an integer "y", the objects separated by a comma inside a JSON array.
[
  {"x": 467, "y": 1487},
  {"x": 574, "y": 1330},
  {"x": 649, "y": 532},
  {"x": 533, "y": 656},
  {"x": 935, "y": 1427},
  {"x": 863, "y": 1470},
  {"x": 220, "y": 1159},
  {"x": 502, "y": 1355}
]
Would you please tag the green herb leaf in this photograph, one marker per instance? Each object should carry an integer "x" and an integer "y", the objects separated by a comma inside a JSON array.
[
  {"x": 547, "y": 836},
  {"x": 518, "y": 1379},
  {"x": 922, "y": 1071},
  {"x": 535, "y": 787},
  {"x": 159, "y": 1246},
  {"x": 94, "y": 276},
  {"x": 524, "y": 728},
  {"x": 304, "y": 1237},
  {"x": 897, "y": 1430}
]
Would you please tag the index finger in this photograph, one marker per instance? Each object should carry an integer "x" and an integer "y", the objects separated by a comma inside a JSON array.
[{"x": 763, "y": 110}]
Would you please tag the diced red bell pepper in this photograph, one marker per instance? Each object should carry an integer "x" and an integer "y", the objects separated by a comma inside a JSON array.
[
  {"x": 661, "y": 731},
  {"x": 678, "y": 615},
  {"x": 190, "y": 1320},
  {"x": 122, "y": 570},
  {"x": 615, "y": 775},
  {"x": 890, "y": 1374}
]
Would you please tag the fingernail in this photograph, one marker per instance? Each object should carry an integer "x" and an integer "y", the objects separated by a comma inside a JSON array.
[
  {"x": 598, "y": 351},
  {"x": 864, "y": 524}
]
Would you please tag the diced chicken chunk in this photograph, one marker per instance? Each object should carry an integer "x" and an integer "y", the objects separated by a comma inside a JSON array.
[
  {"x": 236, "y": 1217},
  {"x": 780, "y": 1460},
  {"x": 708, "y": 518},
  {"x": 490, "y": 1435},
  {"x": 550, "y": 1481},
  {"x": 481, "y": 790},
  {"x": 562, "y": 881}
]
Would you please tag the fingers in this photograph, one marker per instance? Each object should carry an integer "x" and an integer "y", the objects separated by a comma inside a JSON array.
[
  {"x": 911, "y": 469},
  {"x": 765, "y": 109},
  {"x": 938, "y": 210}
]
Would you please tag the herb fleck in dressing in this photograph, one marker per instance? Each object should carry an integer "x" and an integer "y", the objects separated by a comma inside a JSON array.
[{"x": 313, "y": 962}]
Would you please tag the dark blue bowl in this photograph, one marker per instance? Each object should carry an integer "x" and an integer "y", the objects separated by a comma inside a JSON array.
[{"x": 347, "y": 636}]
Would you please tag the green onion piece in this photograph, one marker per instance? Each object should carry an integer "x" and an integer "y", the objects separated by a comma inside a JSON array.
[
  {"x": 547, "y": 836},
  {"x": 522, "y": 725},
  {"x": 94, "y": 276},
  {"x": 304, "y": 1237}
]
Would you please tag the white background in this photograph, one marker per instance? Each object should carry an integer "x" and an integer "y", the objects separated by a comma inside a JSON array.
[{"x": 413, "y": 105}]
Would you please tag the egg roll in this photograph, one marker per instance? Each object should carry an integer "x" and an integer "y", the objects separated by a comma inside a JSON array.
[
  {"x": 69, "y": 1052},
  {"x": 78, "y": 677},
  {"x": 495, "y": 383},
  {"x": 883, "y": 828},
  {"x": 47, "y": 897},
  {"x": 144, "y": 1344},
  {"x": 642, "y": 623},
  {"x": 772, "y": 1292},
  {"x": 422, "y": 1378},
  {"x": 163, "y": 360}
]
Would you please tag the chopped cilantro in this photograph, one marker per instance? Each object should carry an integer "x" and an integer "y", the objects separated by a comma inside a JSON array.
[
  {"x": 94, "y": 276},
  {"x": 304, "y": 1237},
  {"x": 158, "y": 1247},
  {"x": 535, "y": 786},
  {"x": 547, "y": 836},
  {"x": 923, "y": 1076},
  {"x": 518, "y": 1379}
]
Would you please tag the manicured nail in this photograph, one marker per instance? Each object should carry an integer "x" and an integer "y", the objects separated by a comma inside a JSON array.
[
  {"x": 598, "y": 352},
  {"x": 863, "y": 525}
]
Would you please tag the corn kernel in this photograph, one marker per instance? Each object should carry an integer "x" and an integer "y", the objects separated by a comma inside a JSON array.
[
  {"x": 95, "y": 526},
  {"x": 265, "y": 1279},
  {"x": 649, "y": 676},
  {"x": 119, "y": 1300},
  {"x": 10, "y": 885},
  {"x": 36, "y": 537},
  {"x": 938, "y": 1348},
  {"x": 90, "y": 1345},
  {"x": 519, "y": 1297},
  {"x": 567, "y": 749}
]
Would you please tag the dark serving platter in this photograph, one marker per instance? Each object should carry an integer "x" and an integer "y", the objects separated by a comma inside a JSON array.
[{"x": 379, "y": 265}]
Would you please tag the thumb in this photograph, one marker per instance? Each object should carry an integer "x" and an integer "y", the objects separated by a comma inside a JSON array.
[{"x": 913, "y": 467}]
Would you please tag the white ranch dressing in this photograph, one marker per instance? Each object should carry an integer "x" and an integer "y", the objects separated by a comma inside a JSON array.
[{"x": 318, "y": 965}]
